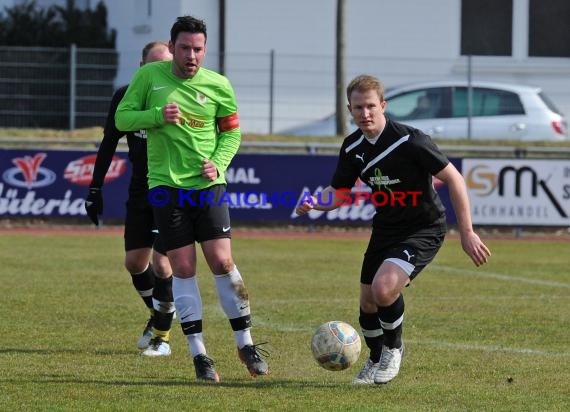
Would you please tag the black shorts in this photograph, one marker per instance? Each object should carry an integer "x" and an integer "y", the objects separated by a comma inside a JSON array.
[
  {"x": 187, "y": 216},
  {"x": 416, "y": 250},
  {"x": 140, "y": 228}
]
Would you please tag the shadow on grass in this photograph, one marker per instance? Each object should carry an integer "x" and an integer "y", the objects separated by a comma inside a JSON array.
[
  {"x": 65, "y": 378},
  {"x": 38, "y": 351},
  {"x": 45, "y": 351},
  {"x": 258, "y": 383}
]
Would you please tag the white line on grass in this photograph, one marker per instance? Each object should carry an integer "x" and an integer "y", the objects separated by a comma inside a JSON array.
[
  {"x": 499, "y": 276},
  {"x": 486, "y": 298},
  {"x": 487, "y": 348},
  {"x": 280, "y": 327},
  {"x": 431, "y": 343},
  {"x": 293, "y": 328}
]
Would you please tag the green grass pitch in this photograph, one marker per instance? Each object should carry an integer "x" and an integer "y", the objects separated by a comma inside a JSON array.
[{"x": 494, "y": 338}]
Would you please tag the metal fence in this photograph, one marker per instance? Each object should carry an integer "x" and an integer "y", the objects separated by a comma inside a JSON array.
[
  {"x": 276, "y": 91},
  {"x": 68, "y": 88},
  {"x": 60, "y": 88}
]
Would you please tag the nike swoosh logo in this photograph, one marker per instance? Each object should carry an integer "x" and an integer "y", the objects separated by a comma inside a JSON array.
[
  {"x": 187, "y": 329},
  {"x": 225, "y": 229},
  {"x": 156, "y": 88}
]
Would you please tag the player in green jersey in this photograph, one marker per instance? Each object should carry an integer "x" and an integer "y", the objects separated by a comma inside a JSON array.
[{"x": 190, "y": 114}]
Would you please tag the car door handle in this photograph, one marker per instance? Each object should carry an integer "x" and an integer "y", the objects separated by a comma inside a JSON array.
[
  {"x": 435, "y": 130},
  {"x": 518, "y": 127}
]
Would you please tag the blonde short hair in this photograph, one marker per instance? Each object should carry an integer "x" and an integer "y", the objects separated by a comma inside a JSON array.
[{"x": 363, "y": 83}]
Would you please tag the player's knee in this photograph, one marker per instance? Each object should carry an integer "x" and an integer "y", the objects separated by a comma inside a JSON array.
[
  {"x": 135, "y": 265},
  {"x": 183, "y": 269},
  {"x": 162, "y": 268},
  {"x": 224, "y": 266},
  {"x": 384, "y": 291}
]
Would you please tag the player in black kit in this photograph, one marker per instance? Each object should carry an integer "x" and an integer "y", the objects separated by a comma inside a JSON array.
[
  {"x": 398, "y": 163},
  {"x": 153, "y": 281}
]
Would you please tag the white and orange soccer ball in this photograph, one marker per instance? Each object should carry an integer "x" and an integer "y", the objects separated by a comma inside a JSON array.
[{"x": 336, "y": 345}]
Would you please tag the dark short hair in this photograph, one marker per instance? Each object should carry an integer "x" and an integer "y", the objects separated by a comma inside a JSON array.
[
  {"x": 149, "y": 46},
  {"x": 363, "y": 83},
  {"x": 187, "y": 24}
]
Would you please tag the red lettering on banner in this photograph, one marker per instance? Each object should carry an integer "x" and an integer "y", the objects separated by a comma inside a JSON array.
[{"x": 80, "y": 171}]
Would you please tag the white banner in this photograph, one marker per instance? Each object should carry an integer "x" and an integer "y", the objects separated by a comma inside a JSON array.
[{"x": 518, "y": 191}]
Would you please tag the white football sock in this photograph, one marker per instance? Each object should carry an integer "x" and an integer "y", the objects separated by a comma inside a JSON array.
[{"x": 188, "y": 304}]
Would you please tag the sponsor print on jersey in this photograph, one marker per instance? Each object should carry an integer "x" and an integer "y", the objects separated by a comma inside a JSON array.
[
  {"x": 193, "y": 120},
  {"x": 80, "y": 171},
  {"x": 381, "y": 181}
]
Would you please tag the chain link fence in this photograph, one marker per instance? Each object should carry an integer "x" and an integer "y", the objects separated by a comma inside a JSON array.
[
  {"x": 59, "y": 88},
  {"x": 67, "y": 88}
]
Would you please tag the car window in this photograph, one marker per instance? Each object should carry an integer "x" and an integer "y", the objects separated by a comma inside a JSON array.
[
  {"x": 416, "y": 104},
  {"x": 486, "y": 102},
  {"x": 549, "y": 103}
]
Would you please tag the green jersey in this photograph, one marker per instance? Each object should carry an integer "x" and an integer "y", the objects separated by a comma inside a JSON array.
[{"x": 209, "y": 128}]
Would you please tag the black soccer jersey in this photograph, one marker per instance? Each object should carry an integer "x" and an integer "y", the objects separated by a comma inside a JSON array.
[
  {"x": 136, "y": 142},
  {"x": 399, "y": 169}
]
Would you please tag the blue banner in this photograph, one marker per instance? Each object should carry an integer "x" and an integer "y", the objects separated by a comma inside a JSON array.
[
  {"x": 262, "y": 188},
  {"x": 54, "y": 183}
]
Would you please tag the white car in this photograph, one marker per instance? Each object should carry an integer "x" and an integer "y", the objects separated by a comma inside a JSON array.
[{"x": 498, "y": 111}]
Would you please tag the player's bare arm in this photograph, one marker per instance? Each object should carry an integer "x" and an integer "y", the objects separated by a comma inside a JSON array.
[
  {"x": 325, "y": 201},
  {"x": 470, "y": 241}
]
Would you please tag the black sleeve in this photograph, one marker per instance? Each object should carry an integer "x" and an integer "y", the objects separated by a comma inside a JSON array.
[
  {"x": 345, "y": 174},
  {"x": 111, "y": 136},
  {"x": 428, "y": 154}
]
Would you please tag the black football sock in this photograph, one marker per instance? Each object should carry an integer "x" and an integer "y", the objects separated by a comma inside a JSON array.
[
  {"x": 373, "y": 334},
  {"x": 144, "y": 284},
  {"x": 163, "y": 307},
  {"x": 392, "y": 319}
]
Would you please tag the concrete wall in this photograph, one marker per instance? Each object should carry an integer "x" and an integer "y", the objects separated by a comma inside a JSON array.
[{"x": 135, "y": 27}]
